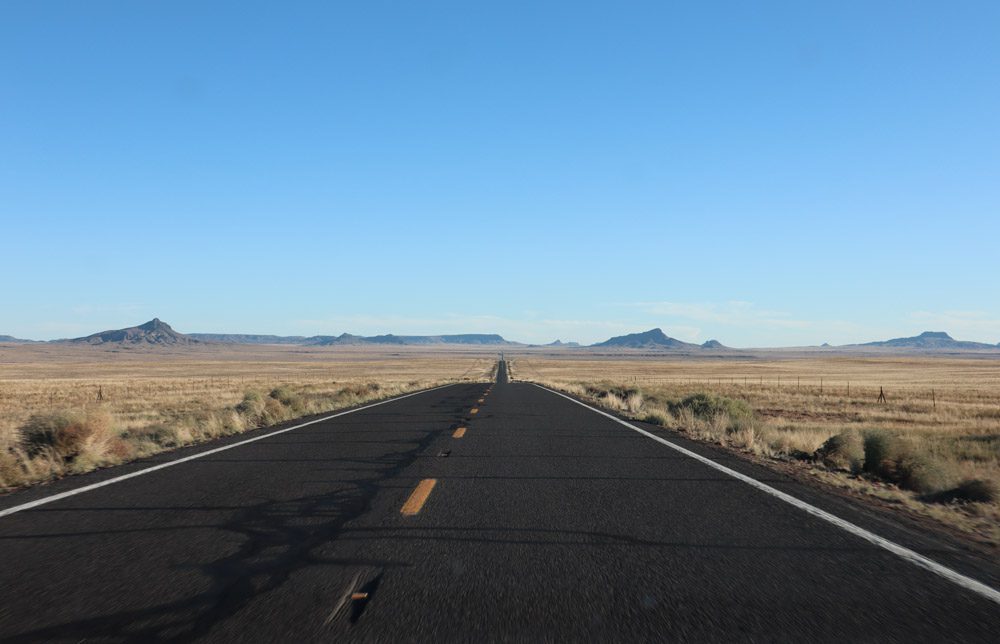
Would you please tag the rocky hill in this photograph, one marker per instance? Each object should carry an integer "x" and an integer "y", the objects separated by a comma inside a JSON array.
[
  {"x": 929, "y": 341},
  {"x": 153, "y": 333},
  {"x": 652, "y": 339}
]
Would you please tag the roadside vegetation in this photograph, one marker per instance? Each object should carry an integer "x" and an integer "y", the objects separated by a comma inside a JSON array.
[
  {"x": 935, "y": 455},
  {"x": 54, "y": 425}
]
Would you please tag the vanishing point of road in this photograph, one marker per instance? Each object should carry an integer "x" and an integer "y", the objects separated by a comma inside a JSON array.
[{"x": 472, "y": 512}]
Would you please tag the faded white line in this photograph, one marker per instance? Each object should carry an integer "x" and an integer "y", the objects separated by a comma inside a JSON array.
[
  {"x": 909, "y": 555},
  {"x": 154, "y": 468}
]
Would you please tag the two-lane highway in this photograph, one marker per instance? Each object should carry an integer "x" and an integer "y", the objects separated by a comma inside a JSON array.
[{"x": 471, "y": 512}]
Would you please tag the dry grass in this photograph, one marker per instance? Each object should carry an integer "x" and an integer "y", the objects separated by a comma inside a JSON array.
[
  {"x": 72, "y": 409},
  {"x": 932, "y": 447}
]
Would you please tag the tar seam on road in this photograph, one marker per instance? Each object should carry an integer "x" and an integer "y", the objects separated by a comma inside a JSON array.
[
  {"x": 418, "y": 497},
  {"x": 118, "y": 479},
  {"x": 909, "y": 555}
]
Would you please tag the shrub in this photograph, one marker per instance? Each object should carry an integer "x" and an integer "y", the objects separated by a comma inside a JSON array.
[
  {"x": 706, "y": 406},
  {"x": 287, "y": 398},
  {"x": 920, "y": 473},
  {"x": 739, "y": 424},
  {"x": 273, "y": 412},
  {"x": 976, "y": 490},
  {"x": 881, "y": 450},
  {"x": 890, "y": 458},
  {"x": 251, "y": 408},
  {"x": 844, "y": 451},
  {"x": 41, "y": 431},
  {"x": 67, "y": 434}
]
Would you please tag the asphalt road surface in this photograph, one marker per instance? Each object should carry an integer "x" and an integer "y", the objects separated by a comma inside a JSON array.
[{"x": 541, "y": 521}]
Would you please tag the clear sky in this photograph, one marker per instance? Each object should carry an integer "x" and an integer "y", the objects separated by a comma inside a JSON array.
[{"x": 764, "y": 173}]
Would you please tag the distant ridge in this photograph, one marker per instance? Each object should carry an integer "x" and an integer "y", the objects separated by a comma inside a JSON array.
[
  {"x": 348, "y": 339},
  {"x": 652, "y": 339},
  {"x": 159, "y": 333},
  {"x": 249, "y": 338},
  {"x": 929, "y": 341},
  {"x": 465, "y": 338},
  {"x": 155, "y": 333},
  {"x": 12, "y": 340}
]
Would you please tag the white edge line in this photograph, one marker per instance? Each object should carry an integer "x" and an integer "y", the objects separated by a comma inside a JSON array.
[
  {"x": 909, "y": 555},
  {"x": 124, "y": 477}
]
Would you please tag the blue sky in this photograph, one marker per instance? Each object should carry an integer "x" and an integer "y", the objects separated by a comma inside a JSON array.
[{"x": 767, "y": 173}]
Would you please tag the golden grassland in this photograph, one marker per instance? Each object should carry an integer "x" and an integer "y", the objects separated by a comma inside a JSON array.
[
  {"x": 67, "y": 409},
  {"x": 932, "y": 448}
]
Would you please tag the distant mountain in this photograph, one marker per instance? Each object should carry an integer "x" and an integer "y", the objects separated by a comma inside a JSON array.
[
  {"x": 466, "y": 338},
  {"x": 560, "y": 343},
  {"x": 12, "y": 340},
  {"x": 929, "y": 340},
  {"x": 343, "y": 338},
  {"x": 652, "y": 339},
  {"x": 249, "y": 338},
  {"x": 350, "y": 339},
  {"x": 154, "y": 332},
  {"x": 713, "y": 344}
]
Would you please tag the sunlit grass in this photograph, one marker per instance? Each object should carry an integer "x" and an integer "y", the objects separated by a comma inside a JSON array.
[
  {"x": 72, "y": 409},
  {"x": 940, "y": 422}
]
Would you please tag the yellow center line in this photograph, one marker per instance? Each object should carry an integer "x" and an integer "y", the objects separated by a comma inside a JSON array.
[
  {"x": 419, "y": 496},
  {"x": 460, "y": 432},
  {"x": 475, "y": 410}
]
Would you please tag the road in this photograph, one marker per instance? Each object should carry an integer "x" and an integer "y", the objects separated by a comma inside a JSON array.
[{"x": 543, "y": 520}]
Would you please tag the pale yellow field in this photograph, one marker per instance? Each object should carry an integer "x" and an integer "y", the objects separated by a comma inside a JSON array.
[
  {"x": 130, "y": 403},
  {"x": 945, "y": 409}
]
